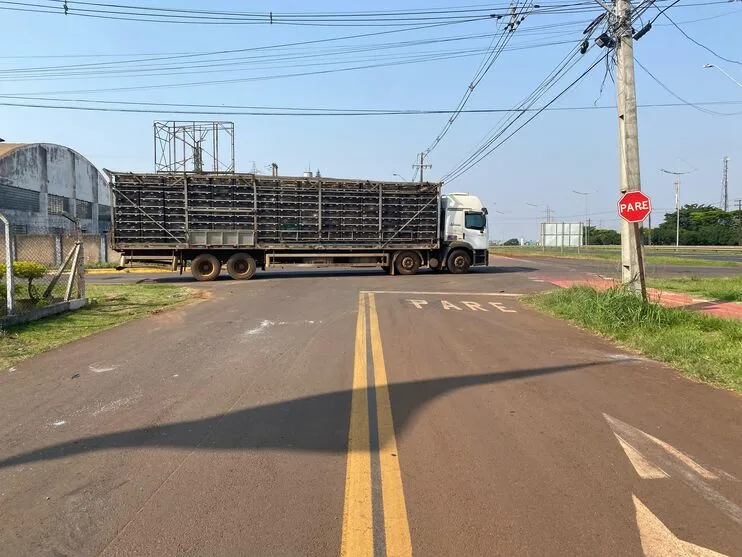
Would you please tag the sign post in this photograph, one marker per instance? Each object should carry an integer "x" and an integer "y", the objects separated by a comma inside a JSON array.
[{"x": 634, "y": 207}]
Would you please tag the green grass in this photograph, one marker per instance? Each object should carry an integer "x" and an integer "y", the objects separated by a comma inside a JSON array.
[
  {"x": 728, "y": 289},
  {"x": 110, "y": 305},
  {"x": 705, "y": 348},
  {"x": 607, "y": 253}
]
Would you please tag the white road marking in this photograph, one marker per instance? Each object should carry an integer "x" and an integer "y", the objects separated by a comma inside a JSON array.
[
  {"x": 503, "y": 294},
  {"x": 658, "y": 541},
  {"x": 264, "y": 324},
  {"x": 267, "y": 323},
  {"x": 418, "y": 303},
  {"x": 658, "y": 456},
  {"x": 502, "y": 308},
  {"x": 643, "y": 467},
  {"x": 95, "y": 369},
  {"x": 448, "y": 305},
  {"x": 114, "y": 405},
  {"x": 474, "y": 306}
]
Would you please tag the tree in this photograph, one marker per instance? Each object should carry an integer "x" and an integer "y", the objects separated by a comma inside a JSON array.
[
  {"x": 602, "y": 236},
  {"x": 700, "y": 225},
  {"x": 512, "y": 242}
]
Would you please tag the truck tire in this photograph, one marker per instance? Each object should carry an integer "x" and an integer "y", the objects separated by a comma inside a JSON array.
[
  {"x": 205, "y": 267},
  {"x": 459, "y": 261},
  {"x": 407, "y": 263},
  {"x": 241, "y": 266}
]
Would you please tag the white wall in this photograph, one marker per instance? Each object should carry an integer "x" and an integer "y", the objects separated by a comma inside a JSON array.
[{"x": 58, "y": 170}]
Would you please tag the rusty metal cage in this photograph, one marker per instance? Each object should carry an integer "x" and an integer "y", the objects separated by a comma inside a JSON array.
[{"x": 196, "y": 210}]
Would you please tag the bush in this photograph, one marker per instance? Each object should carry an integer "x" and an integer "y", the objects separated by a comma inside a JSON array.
[
  {"x": 29, "y": 270},
  {"x": 512, "y": 242}
]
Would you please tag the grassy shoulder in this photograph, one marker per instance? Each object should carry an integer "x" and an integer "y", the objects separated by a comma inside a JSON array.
[
  {"x": 608, "y": 254},
  {"x": 706, "y": 348},
  {"x": 728, "y": 289},
  {"x": 110, "y": 305}
]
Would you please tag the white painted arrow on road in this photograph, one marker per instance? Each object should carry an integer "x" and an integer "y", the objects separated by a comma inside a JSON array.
[
  {"x": 655, "y": 459},
  {"x": 658, "y": 541}
]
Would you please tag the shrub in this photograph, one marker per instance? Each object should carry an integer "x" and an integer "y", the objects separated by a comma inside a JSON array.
[{"x": 29, "y": 270}]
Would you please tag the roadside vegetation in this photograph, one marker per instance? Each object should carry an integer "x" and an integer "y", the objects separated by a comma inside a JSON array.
[
  {"x": 110, "y": 305},
  {"x": 727, "y": 289},
  {"x": 706, "y": 348},
  {"x": 611, "y": 254}
]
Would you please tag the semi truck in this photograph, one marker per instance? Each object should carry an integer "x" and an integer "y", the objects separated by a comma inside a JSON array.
[{"x": 250, "y": 221}]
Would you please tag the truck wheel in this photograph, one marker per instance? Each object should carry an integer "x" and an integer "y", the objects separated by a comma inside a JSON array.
[
  {"x": 459, "y": 261},
  {"x": 205, "y": 267},
  {"x": 241, "y": 266},
  {"x": 407, "y": 263}
]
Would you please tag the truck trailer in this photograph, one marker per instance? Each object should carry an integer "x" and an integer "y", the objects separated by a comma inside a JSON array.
[{"x": 250, "y": 221}]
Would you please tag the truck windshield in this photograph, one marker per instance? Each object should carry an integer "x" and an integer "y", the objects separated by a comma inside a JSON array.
[{"x": 475, "y": 221}]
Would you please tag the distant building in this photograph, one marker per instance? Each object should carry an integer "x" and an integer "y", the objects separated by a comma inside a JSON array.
[{"x": 40, "y": 180}]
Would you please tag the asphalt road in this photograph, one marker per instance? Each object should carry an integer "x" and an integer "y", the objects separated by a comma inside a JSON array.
[
  {"x": 355, "y": 414},
  {"x": 722, "y": 256},
  {"x": 564, "y": 266}
]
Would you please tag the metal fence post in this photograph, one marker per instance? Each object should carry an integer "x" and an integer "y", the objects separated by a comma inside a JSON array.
[
  {"x": 103, "y": 255},
  {"x": 81, "y": 270},
  {"x": 9, "y": 258}
]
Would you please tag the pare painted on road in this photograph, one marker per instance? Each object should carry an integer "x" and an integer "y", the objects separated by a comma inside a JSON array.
[{"x": 460, "y": 305}]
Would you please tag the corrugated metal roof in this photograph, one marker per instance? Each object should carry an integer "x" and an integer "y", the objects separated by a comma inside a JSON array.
[{"x": 6, "y": 148}]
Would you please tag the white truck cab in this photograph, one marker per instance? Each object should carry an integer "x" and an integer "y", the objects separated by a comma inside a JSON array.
[{"x": 465, "y": 228}]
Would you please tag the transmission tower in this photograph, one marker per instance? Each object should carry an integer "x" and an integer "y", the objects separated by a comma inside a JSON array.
[{"x": 725, "y": 183}]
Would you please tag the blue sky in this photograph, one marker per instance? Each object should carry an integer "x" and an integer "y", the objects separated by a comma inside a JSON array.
[{"x": 556, "y": 153}]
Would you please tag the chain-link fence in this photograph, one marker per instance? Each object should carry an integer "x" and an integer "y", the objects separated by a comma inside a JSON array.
[{"x": 41, "y": 274}]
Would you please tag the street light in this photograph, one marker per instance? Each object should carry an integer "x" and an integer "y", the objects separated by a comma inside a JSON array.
[
  {"x": 677, "y": 201},
  {"x": 587, "y": 215},
  {"x": 400, "y": 176},
  {"x": 725, "y": 73}
]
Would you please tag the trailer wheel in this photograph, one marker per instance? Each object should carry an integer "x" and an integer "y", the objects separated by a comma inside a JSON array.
[
  {"x": 205, "y": 267},
  {"x": 407, "y": 263},
  {"x": 241, "y": 266},
  {"x": 459, "y": 261}
]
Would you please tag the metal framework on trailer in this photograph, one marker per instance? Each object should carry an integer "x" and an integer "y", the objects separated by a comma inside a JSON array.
[
  {"x": 201, "y": 210},
  {"x": 194, "y": 146}
]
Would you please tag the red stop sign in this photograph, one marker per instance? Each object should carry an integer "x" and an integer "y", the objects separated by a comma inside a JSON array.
[{"x": 634, "y": 206}]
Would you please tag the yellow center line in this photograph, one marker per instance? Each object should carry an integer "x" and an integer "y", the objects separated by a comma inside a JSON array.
[
  {"x": 357, "y": 538},
  {"x": 396, "y": 525}
]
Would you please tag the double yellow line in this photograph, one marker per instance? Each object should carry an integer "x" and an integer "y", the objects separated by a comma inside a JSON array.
[{"x": 372, "y": 459}]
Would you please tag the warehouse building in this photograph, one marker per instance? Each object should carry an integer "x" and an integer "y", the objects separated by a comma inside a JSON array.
[{"x": 39, "y": 181}]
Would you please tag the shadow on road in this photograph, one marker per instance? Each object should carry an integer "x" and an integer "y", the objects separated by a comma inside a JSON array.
[
  {"x": 317, "y": 423},
  {"x": 336, "y": 273}
]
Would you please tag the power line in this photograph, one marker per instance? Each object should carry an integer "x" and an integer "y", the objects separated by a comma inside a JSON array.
[
  {"x": 258, "y": 63},
  {"x": 681, "y": 99},
  {"x": 237, "y": 110},
  {"x": 462, "y": 169},
  {"x": 516, "y": 17},
  {"x": 694, "y": 41}
]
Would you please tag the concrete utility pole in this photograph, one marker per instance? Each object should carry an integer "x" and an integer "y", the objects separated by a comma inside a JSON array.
[
  {"x": 725, "y": 183},
  {"x": 632, "y": 258},
  {"x": 421, "y": 165},
  {"x": 739, "y": 216}
]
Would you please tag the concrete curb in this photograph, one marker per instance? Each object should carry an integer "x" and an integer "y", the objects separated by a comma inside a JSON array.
[
  {"x": 125, "y": 271},
  {"x": 33, "y": 315}
]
